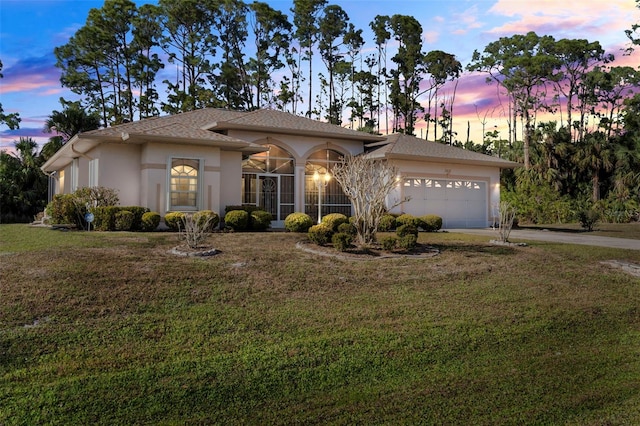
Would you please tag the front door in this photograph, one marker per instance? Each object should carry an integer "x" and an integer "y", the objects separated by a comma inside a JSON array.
[{"x": 270, "y": 192}]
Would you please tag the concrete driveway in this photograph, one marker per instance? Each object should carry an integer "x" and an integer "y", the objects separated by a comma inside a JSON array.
[{"x": 518, "y": 235}]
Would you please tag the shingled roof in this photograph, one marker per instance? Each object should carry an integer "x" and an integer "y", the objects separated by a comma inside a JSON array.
[{"x": 404, "y": 147}]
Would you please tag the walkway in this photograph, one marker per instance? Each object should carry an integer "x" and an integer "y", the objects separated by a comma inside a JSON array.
[{"x": 518, "y": 235}]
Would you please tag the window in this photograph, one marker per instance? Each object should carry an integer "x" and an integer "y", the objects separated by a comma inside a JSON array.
[
  {"x": 268, "y": 181},
  {"x": 184, "y": 184},
  {"x": 93, "y": 173},
  {"x": 75, "y": 166},
  {"x": 334, "y": 199}
]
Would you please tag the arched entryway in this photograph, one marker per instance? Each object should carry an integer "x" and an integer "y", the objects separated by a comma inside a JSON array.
[{"x": 268, "y": 182}]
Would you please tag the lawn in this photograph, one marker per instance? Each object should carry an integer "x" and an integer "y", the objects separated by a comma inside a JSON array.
[{"x": 109, "y": 328}]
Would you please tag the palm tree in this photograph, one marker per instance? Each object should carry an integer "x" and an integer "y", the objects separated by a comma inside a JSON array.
[{"x": 595, "y": 155}]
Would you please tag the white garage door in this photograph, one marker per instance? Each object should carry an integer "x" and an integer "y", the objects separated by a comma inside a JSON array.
[{"x": 460, "y": 203}]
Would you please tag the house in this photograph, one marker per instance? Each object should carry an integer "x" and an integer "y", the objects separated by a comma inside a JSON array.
[{"x": 213, "y": 158}]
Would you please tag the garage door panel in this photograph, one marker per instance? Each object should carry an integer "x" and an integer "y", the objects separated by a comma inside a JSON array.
[{"x": 460, "y": 203}]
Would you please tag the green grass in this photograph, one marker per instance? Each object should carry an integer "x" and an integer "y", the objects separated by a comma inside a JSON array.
[{"x": 108, "y": 328}]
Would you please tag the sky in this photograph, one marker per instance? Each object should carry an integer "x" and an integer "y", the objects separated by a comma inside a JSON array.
[{"x": 31, "y": 29}]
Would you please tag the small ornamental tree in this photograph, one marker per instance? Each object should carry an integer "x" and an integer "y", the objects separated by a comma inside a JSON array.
[{"x": 367, "y": 183}]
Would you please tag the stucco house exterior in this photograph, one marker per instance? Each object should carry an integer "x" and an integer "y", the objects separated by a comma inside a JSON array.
[{"x": 212, "y": 158}]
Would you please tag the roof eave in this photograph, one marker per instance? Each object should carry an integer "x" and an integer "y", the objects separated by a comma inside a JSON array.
[{"x": 487, "y": 163}]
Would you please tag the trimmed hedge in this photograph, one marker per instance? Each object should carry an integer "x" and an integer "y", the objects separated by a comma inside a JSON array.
[
  {"x": 405, "y": 230},
  {"x": 298, "y": 222},
  {"x": 106, "y": 218},
  {"x": 431, "y": 223},
  {"x": 333, "y": 220},
  {"x": 320, "y": 234},
  {"x": 174, "y": 220},
  {"x": 260, "y": 220},
  {"x": 238, "y": 220},
  {"x": 124, "y": 220},
  {"x": 387, "y": 223},
  {"x": 408, "y": 219},
  {"x": 150, "y": 221},
  {"x": 341, "y": 241}
]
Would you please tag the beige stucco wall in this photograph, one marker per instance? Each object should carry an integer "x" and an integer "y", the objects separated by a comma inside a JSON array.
[
  {"x": 154, "y": 166},
  {"x": 118, "y": 166}
]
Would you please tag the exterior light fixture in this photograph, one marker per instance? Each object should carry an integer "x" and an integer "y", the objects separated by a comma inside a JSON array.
[{"x": 321, "y": 180}]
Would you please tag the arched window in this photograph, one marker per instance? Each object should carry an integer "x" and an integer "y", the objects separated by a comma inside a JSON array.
[
  {"x": 183, "y": 185},
  {"x": 334, "y": 199},
  {"x": 268, "y": 181}
]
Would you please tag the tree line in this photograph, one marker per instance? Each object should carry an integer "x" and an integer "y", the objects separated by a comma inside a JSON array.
[{"x": 245, "y": 56}]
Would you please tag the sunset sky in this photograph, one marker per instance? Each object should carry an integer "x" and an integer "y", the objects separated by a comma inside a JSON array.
[{"x": 30, "y": 29}]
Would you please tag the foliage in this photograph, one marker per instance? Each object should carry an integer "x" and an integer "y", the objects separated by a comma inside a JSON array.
[
  {"x": 208, "y": 217},
  {"x": 333, "y": 220},
  {"x": 320, "y": 234},
  {"x": 124, "y": 220},
  {"x": 341, "y": 241},
  {"x": 23, "y": 186},
  {"x": 104, "y": 218},
  {"x": 367, "y": 183},
  {"x": 347, "y": 228},
  {"x": 431, "y": 222},
  {"x": 260, "y": 220},
  {"x": 73, "y": 119},
  {"x": 387, "y": 223},
  {"x": 588, "y": 218},
  {"x": 408, "y": 219},
  {"x": 64, "y": 210},
  {"x": 408, "y": 229},
  {"x": 97, "y": 196},
  {"x": 389, "y": 242},
  {"x": 408, "y": 242},
  {"x": 174, "y": 220},
  {"x": 238, "y": 220},
  {"x": 298, "y": 222},
  {"x": 150, "y": 221}
]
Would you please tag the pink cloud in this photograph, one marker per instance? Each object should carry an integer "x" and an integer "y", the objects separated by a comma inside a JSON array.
[{"x": 32, "y": 74}]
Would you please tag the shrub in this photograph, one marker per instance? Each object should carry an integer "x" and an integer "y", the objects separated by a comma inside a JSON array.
[
  {"x": 238, "y": 220},
  {"x": 333, "y": 220},
  {"x": 174, "y": 220},
  {"x": 248, "y": 209},
  {"x": 389, "y": 243},
  {"x": 208, "y": 218},
  {"x": 588, "y": 218},
  {"x": 408, "y": 242},
  {"x": 150, "y": 221},
  {"x": 341, "y": 241},
  {"x": 320, "y": 234},
  {"x": 408, "y": 219},
  {"x": 104, "y": 218},
  {"x": 123, "y": 220},
  {"x": 387, "y": 223},
  {"x": 260, "y": 220},
  {"x": 65, "y": 210},
  {"x": 97, "y": 196},
  {"x": 405, "y": 230},
  {"x": 137, "y": 211},
  {"x": 298, "y": 222},
  {"x": 347, "y": 228},
  {"x": 431, "y": 223}
]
